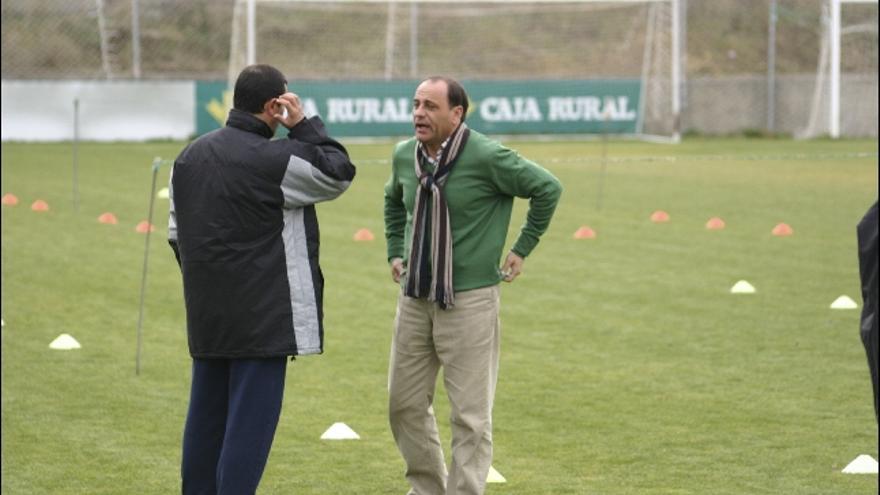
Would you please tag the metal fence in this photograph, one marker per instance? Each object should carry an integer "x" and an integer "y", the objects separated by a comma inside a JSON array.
[{"x": 765, "y": 52}]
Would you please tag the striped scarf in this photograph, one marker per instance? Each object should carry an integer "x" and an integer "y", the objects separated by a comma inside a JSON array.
[{"x": 430, "y": 200}]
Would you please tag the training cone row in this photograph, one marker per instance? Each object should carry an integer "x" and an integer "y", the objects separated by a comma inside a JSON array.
[
  {"x": 341, "y": 431},
  {"x": 714, "y": 223},
  {"x": 10, "y": 199},
  {"x": 842, "y": 302},
  {"x": 110, "y": 219}
]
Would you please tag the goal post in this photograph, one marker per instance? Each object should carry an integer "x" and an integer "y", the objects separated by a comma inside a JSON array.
[
  {"x": 835, "y": 35},
  {"x": 530, "y": 66},
  {"x": 845, "y": 91}
]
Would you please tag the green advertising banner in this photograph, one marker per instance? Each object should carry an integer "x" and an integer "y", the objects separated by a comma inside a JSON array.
[{"x": 371, "y": 108}]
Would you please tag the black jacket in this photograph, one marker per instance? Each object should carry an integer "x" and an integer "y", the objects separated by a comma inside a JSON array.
[
  {"x": 243, "y": 227},
  {"x": 867, "y": 237}
]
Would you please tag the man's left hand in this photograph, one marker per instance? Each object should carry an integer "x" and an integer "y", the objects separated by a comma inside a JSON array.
[{"x": 512, "y": 267}]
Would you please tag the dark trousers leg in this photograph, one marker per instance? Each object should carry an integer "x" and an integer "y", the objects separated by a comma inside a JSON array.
[
  {"x": 251, "y": 394},
  {"x": 205, "y": 426},
  {"x": 256, "y": 389},
  {"x": 870, "y": 341}
]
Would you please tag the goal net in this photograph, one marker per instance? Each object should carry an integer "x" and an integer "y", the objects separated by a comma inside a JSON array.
[
  {"x": 564, "y": 67},
  {"x": 844, "y": 98}
]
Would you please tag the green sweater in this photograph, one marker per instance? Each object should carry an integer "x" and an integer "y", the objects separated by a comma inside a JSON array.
[{"x": 479, "y": 193}]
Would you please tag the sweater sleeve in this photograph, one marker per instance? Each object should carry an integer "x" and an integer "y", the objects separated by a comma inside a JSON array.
[
  {"x": 520, "y": 177},
  {"x": 395, "y": 215}
]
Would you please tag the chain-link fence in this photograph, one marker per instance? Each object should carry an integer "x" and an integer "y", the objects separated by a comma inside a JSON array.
[
  {"x": 747, "y": 64},
  {"x": 93, "y": 39},
  {"x": 755, "y": 64}
]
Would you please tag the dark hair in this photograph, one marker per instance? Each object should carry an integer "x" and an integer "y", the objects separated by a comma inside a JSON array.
[
  {"x": 455, "y": 93},
  {"x": 255, "y": 85}
]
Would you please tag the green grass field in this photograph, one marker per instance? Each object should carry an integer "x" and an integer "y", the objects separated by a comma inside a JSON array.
[{"x": 627, "y": 367}]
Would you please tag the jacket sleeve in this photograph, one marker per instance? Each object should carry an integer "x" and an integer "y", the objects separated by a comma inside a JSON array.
[
  {"x": 517, "y": 176},
  {"x": 395, "y": 216},
  {"x": 318, "y": 167},
  {"x": 172, "y": 218}
]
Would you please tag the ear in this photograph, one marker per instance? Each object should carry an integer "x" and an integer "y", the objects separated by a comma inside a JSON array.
[
  {"x": 457, "y": 112},
  {"x": 269, "y": 107}
]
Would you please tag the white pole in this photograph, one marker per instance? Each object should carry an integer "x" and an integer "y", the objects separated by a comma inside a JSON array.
[
  {"x": 771, "y": 69},
  {"x": 135, "y": 41},
  {"x": 389, "y": 40},
  {"x": 834, "y": 87},
  {"x": 251, "y": 32},
  {"x": 646, "y": 67},
  {"x": 414, "y": 39},
  {"x": 676, "y": 70},
  {"x": 683, "y": 53},
  {"x": 102, "y": 33},
  {"x": 235, "y": 58},
  {"x": 76, "y": 154}
]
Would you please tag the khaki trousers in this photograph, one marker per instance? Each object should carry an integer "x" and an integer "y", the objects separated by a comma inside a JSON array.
[{"x": 465, "y": 341}]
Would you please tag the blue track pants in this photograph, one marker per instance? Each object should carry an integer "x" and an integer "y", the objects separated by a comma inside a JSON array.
[{"x": 233, "y": 411}]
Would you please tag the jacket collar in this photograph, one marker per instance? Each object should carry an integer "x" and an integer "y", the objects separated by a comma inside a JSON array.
[{"x": 248, "y": 122}]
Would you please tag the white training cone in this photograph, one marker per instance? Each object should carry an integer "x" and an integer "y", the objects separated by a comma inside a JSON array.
[
  {"x": 844, "y": 302},
  {"x": 742, "y": 287},
  {"x": 64, "y": 342},
  {"x": 163, "y": 193},
  {"x": 863, "y": 464},
  {"x": 340, "y": 431},
  {"x": 494, "y": 476}
]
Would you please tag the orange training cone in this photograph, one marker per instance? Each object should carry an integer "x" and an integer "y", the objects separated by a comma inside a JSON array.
[
  {"x": 715, "y": 223},
  {"x": 108, "y": 218},
  {"x": 783, "y": 229},
  {"x": 40, "y": 205},
  {"x": 10, "y": 199},
  {"x": 144, "y": 227},
  {"x": 659, "y": 216},
  {"x": 364, "y": 235},
  {"x": 585, "y": 232}
]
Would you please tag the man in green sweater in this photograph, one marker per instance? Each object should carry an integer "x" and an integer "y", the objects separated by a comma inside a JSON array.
[{"x": 448, "y": 204}]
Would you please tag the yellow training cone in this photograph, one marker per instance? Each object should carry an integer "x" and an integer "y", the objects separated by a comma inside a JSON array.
[
  {"x": 340, "y": 431},
  {"x": 844, "y": 302},
  {"x": 494, "y": 476},
  {"x": 742, "y": 287},
  {"x": 64, "y": 342}
]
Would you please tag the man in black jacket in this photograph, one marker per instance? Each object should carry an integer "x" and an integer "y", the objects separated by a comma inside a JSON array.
[
  {"x": 867, "y": 237},
  {"x": 243, "y": 227}
]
